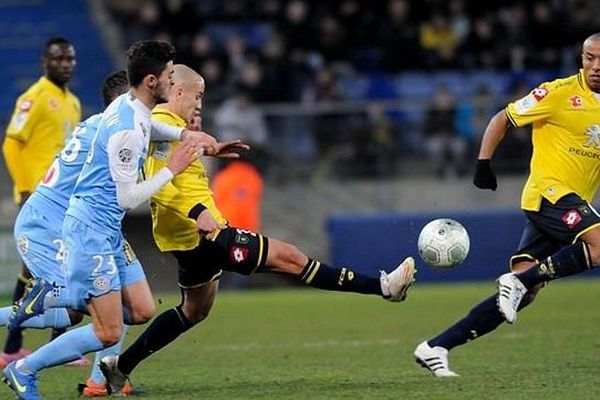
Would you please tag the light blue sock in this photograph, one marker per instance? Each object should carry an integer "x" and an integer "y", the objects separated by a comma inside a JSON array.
[
  {"x": 56, "y": 298},
  {"x": 69, "y": 346},
  {"x": 53, "y": 318},
  {"x": 96, "y": 376},
  {"x": 5, "y": 315}
]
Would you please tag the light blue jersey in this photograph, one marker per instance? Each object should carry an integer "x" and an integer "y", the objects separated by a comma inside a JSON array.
[
  {"x": 92, "y": 225},
  {"x": 117, "y": 155},
  {"x": 38, "y": 228}
]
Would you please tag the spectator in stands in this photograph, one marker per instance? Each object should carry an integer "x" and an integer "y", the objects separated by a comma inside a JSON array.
[
  {"x": 239, "y": 118},
  {"x": 447, "y": 150},
  {"x": 440, "y": 41}
]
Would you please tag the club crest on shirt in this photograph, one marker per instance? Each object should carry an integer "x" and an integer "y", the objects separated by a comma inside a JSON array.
[
  {"x": 575, "y": 101},
  {"x": 593, "y": 133}
]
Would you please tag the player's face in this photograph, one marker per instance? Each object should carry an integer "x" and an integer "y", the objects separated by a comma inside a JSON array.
[
  {"x": 591, "y": 64},
  {"x": 59, "y": 63},
  {"x": 164, "y": 83},
  {"x": 191, "y": 99}
]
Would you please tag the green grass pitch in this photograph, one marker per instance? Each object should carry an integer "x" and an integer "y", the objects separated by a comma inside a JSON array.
[{"x": 308, "y": 344}]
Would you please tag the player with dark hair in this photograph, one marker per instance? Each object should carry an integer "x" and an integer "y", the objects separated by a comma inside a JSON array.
[
  {"x": 187, "y": 223},
  {"x": 44, "y": 116},
  {"x": 94, "y": 256},
  {"x": 562, "y": 234}
]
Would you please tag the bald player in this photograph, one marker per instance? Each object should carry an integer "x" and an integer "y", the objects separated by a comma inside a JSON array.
[
  {"x": 187, "y": 223},
  {"x": 562, "y": 233}
]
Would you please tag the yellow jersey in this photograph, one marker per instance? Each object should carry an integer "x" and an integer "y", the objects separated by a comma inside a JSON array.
[
  {"x": 43, "y": 119},
  {"x": 171, "y": 226},
  {"x": 565, "y": 115}
]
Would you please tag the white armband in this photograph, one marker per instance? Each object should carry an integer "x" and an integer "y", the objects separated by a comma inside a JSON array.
[
  {"x": 131, "y": 194},
  {"x": 165, "y": 132}
]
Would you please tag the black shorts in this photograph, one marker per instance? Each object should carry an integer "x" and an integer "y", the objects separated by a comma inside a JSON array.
[
  {"x": 233, "y": 249},
  {"x": 554, "y": 226}
]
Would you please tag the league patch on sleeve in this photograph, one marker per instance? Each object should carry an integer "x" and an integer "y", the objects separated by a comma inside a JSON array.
[
  {"x": 26, "y": 105},
  {"x": 126, "y": 161},
  {"x": 528, "y": 102}
]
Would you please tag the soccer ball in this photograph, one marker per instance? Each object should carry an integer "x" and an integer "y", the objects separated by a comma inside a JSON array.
[{"x": 443, "y": 243}]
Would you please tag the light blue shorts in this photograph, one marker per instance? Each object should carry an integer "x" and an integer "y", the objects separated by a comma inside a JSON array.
[
  {"x": 40, "y": 245},
  {"x": 96, "y": 262}
]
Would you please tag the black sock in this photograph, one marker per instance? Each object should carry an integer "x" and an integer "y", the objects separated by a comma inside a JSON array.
[
  {"x": 482, "y": 319},
  {"x": 56, "y": 333},
  {"x": 163, "y": 330},
  {"x": 342, "y": 279},
  {"x": 569, "y": 260},
  {"x": 14, "y": 340}
]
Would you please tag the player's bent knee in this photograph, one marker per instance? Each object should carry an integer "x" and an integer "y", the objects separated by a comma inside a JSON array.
[
  {"x": 141, "y": 315},
  {"x": 109, "y": 335}
]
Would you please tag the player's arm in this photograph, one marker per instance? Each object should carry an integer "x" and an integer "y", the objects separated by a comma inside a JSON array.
[
  {"x": 18, "y": 133},
  {"x": 536, "y": 106},
  {"x": 166, "y": 132},
  {"x": 125, "y": 149},
  {"x": 13, "y": 154}
]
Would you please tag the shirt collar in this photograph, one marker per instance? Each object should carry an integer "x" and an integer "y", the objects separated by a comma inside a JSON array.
[
  {"x": 52, "y": 87},
  {"x": 138, "y": 105},
  {"x": 583, "y": 83},
  {"x": 176, "y": 118}
]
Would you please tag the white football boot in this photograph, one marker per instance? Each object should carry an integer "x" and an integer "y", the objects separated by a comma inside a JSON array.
[
  {"x": 510, "y": 293},
  {"x": 435, "y": 359},
  {"x": 395, "y": 284}
]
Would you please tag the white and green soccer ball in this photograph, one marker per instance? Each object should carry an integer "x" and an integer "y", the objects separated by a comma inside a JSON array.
[{"x": 443, "y": 243}]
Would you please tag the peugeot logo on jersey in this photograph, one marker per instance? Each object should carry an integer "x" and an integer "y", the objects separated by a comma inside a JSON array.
[{"x": 593, "y": 133}]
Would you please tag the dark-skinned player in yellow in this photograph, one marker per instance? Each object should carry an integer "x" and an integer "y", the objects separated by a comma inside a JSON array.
[{"x": 562, "y": 232}]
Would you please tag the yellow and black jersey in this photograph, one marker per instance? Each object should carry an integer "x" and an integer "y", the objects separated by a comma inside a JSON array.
[
  {"x": 171, "y": 226},
  {"x": 43, "y": 119},
  {"x": 565, "y": 115}
]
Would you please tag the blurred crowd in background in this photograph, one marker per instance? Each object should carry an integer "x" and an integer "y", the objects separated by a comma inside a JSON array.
[{"x": 335, "y": 52}]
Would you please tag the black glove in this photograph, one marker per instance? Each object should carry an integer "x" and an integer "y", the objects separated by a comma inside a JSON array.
[{"x": 484, "y": 176}]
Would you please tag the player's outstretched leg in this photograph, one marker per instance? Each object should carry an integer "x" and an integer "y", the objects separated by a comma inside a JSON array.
[
  {"x": 286, "y": 258},
  {"x": 512, "y": 287}
]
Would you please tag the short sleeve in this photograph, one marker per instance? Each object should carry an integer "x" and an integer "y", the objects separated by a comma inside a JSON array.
[
  {"x": 536, "y": 106},
  {"x": 125, "y": 149},
  {"x": 24, "y": 118}
]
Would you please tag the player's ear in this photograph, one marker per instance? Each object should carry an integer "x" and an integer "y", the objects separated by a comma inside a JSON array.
[{"x": 151, "y": 81}]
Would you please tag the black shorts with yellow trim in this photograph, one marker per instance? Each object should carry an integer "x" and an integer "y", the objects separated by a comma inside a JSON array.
[
  {"x": 554, "y": 226},
  {"x": 231, "y": 249}
]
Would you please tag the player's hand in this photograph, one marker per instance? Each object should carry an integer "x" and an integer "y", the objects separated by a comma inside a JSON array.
[
  {"x": 206, "y": 223},
  {"x": 229, "y": 149},
  {"x": 202, "y": 139},
  {"x": 484, "y": 176},
  {"x": 24, "y": 197},
  {"x": 183, "y": 155}
]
